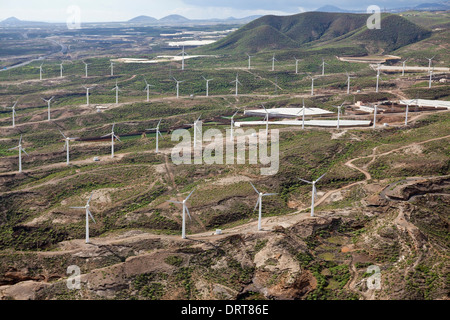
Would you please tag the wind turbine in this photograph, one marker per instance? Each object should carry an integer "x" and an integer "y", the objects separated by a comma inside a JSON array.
[
  {"x": 378, "y": 77},
  {"x": 117, "y": 92},
  {"x": 232, "y": 126},
  {"x": 314, "y": 191},
  {"x": 182, "y": 58},
  {"x": 147, "y": 88},
  {"x": 429, "y": 63},
  {"x": 249, "y": 60},
  {"x": 61, "y": 68},
  {"x": 407, "y": 110},
  {"x": 185, "y": 210},
  {"x": 113, "y": 135},
  {"x": 267, "y": 120},
  {"x": 178, "y": 84},
  {"x": 88, "y": 214},
  {"x": 375, "y": 109},
  {"x": 111, "y": 66},
  {"x": 431, "y": 75},
  {"x": 13, "y": 110},
  {"x": 273, "y": 62},
  {"x": 196, "y": 128},
  {"x": 87, "y": 94},
  {"x": 259, "y": 202},
  {"x": 348, "y": 82},
  {"x": 303, "y": 114},
  {"x": 66, "y": 145},
  {"x": 157, "y": 133},
  {"x": 323, "y": 66},
  {"x": 237, "y": 82},
  {"x": 312, "y": 84},
  {"x": 48, "y": 106},
  {"x": 339, "y": 113},
  {"x": 403, "y": 66},
  {"x": 19, "y": 146},
  {"x": 40, "y": 71},
  {"x": 296, "y": 65},
  {"x": 207, "y": 85},
  {"x": 86, "y": 68}
]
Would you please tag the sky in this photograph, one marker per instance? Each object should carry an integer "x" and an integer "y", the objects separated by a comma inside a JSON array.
[{"x": 122, "y": 10}]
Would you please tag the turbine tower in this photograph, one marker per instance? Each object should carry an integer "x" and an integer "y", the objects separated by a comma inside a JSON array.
[
  {"x": 249, "y": 60},
  {"x": 431, "y": 75},
  {"x": 296, "y": 65},
  {"x": 85, "y": 68},
  {"x": 48, "y": 106},
  {"x": 378, "y": 77},
  {"x": 185, "y": 210},
  {"x": 429, "y": 62},
  {"x": 61, "y": 68},
  {"x": 157, "y": 133},
  {"x": 323, "y": 66},
  {"x": 117, "y": 92},
  {"x": 259, "y": 202},
  {"x": 88, "y": 214},
  {"x": 339, "y": 114},
  {"x": 178, "y": 85},
  {"x": 273, "y": 62},
  {"x": 403, "y": 67},
  {"x": 40, "y": 71},
  {"x": 87, "y": 94},
  {"x": 19, "y": 146},
  {"x": 237, "y": 82},
  {"x": 207, "y": 85},
  {"x": 13, "y": 110},
  {"x": 196, "y": 128},
  {"x": 375, "y": 109},
  {"x": 348, "y": 82},
  {"x": 66, "y": 145},
  {"x": 314, "y": 191},
  {"x": 407, "y": 110},
  {"x": 182, "y": 58},
  {"x": 113, "y": 135},
  {"x": 232, "y": 126},
  {"x": 312, "y": 84},
  {"x": 111, "y": 66},
  {"x": 147, "y": 88},
  {"x": 266, "y": 118}
]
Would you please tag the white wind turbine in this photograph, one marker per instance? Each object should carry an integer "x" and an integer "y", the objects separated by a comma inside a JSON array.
[
  {"x": 259, "y": 202},
  {"x": 237, "y": 82},
  {"x": 85, "y": 68},
  {"x": 232, "y": 126},
  {"x": 196, "y": 129},
  {"x": 13, "y": 111},
  {"x": 403, "y": 66},
  {"x": 185, "y": 210},
  {"x": 429, "y": 62},
  {"x": 182, "y": 58},
  {"x": 339, "y": 114},
  {"x": 207, "y": 85},
  {"x": 111, "y": 66},
  {"x": 407, "y": 110},
  {"x": 296, "y": 65},
  {"x": 375, "y": 109},
  {"x": 157, "y": 133},
  {"x": 113, "y": 135},
  {"x": 323, "y": 66},
  {"x": 40, "y": 71},
  {"x": 61, "y": 68},
  {"x": 178, "y": 85},
  {"x": 117, "y": 92},
  {"x": 48, "y": 106},
  {"x": 378, "y": 76},
  {"x": 87, "y": 94},
  {"x": 273, "y": 62},
  {"x": 314, "y": 191},
  {"x": 312, "y": 84},
  {"x": 20, "y": 148},
  {"x": 249, "y": 60},
  {"x": 147, "y": 88},
  {"x": 303, "y": 114},
  {"x": 66, "y": 145},
  {"x": 348, "y": 82},
  {"x": 88, "y": 214},
  {"x": 266, "y": 118}
]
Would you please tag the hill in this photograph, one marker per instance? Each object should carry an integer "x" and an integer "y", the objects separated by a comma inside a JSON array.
[
  {"x": 143, "y": 19},
  {"x": 316, "y": 28},
  {"x": 174, "y": 18}
]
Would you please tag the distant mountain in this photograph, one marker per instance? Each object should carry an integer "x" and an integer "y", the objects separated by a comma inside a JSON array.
[
  {"x": 432, "y": 7},
  {"x": 14, "y": 22},
  {"x": 174, "y": 18},
  {"x": 315, "y": 28},
  {"x": 143, "y": 19},
  {"x": 329, "y": 8}
]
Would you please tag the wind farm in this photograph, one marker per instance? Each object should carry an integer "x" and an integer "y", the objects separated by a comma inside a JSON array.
[{"x": 168, "y": 149}]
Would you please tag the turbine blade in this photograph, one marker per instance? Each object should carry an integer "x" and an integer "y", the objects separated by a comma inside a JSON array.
[
  {"x": 117, "y": 138},
  {"x": 13, "y": 148},
  {"x": 256, "y": 205},
  {"x": 254, "y": 188},
  {"x": 20, "y": 140},
  {"x": 62, "y": 133},
  {"x": 90, "y": 198},
  {"x": 187, "y": 211},
  {"x": 90, "y": 214},
  {"x": 190, "y": 194},
  {"x": 25, "y": 151},
  {"x": 77, "y": 207},
  {"x": 320, "y": 177},
  {"x": 305, "y": 180},
  {"x": 270, "y": 194},
  {"x": 173, "y": 201},
  {"x": 106, "y": 135}
]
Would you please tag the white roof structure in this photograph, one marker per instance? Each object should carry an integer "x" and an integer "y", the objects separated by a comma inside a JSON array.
[
  {"x": 287, "y": 112},
  {"x": 313, "y": 123},
  {"x": 427, "y": 103}
]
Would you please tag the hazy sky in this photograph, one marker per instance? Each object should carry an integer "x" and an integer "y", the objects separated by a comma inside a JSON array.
[{"x": 121, "y": 10}]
